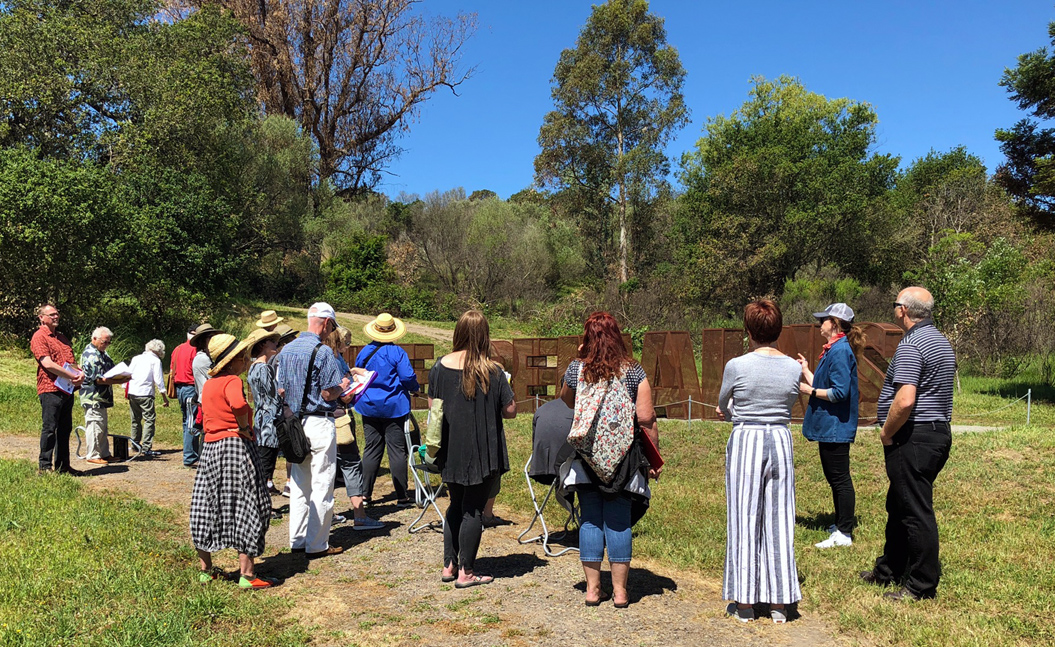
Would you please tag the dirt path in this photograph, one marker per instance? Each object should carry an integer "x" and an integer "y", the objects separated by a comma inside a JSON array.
[
  {"x": 385, "y": 589},
  {"x": 437, "y": 334}
]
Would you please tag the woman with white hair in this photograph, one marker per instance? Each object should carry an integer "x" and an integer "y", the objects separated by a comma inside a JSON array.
[{"x": 146, "y": 377}]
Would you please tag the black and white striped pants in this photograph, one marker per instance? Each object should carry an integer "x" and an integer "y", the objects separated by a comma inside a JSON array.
[{"x": 760, "y": 522}]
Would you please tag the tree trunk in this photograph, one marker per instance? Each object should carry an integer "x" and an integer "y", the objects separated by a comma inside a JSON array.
[{"x": 624, "y": 232}]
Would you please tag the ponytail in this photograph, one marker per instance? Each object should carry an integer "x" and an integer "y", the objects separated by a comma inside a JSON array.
[{"x": 855, "y": 335}]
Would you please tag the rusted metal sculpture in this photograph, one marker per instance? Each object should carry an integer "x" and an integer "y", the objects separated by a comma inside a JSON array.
[{"x": 682, "y": 387}]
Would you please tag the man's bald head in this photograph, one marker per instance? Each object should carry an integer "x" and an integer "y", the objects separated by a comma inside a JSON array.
[{"x": 918, "y": 303}]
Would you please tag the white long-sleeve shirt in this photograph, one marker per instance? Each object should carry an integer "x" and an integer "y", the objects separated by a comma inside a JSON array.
[{"x": 146, "y": 374}]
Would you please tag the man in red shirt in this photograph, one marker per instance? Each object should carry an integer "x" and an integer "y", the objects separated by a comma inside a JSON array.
[
  {"x": 57, "y": 371},
  {"x": 180, "y": 367}
]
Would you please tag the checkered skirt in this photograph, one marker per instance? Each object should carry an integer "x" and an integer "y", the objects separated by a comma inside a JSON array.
[{"x": 230, "y": 506}]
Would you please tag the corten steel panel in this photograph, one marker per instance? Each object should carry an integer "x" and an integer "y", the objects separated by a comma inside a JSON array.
[
  {"x": 532, "y": 374},
  {"x": 417, "y": 353},
  {"x": 719, "y": 346},
  {"x": 670, "y": 363}
]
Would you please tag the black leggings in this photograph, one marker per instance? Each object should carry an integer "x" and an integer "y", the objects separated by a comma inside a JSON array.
[
  {"x": 835, "y": 461},
  {"x": 465, "y": 522},
  {"x": 268, "y": 459}
]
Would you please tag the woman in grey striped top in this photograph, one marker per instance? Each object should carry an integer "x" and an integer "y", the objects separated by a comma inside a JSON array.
[{"x": 758, "y": 391}]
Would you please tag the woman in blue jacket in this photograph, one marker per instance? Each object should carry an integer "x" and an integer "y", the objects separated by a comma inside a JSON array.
[{"x": 831, "y": 414}]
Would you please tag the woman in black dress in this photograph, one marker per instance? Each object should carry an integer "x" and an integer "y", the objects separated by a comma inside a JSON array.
[{"x": 476, "y": 398}]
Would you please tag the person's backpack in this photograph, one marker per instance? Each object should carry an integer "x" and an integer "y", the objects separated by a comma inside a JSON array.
[
  {"x": 289, "y": 428},
  {"x": 603, "y": 427}
]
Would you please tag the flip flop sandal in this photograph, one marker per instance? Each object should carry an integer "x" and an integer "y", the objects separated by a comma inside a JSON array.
[
  {"x": 448, "y": 578},
  {"x": 596, "y": 603},
  {"x": 477, "y": 580}
]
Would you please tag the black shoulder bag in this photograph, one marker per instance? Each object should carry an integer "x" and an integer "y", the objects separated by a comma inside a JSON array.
[{"x": 289, "y": 428}]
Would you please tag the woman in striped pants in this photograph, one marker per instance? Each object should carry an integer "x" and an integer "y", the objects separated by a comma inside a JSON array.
[{"x": 758, "y": 391}]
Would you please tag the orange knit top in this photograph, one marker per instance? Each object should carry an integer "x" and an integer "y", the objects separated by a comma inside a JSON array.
[{"x": 222, "y": 398}]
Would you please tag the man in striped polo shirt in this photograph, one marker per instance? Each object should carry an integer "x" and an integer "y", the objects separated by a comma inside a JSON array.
[{"x": 915, "y": 407}]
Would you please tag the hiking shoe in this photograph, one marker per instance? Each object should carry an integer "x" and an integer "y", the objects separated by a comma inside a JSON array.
[
  {"x": 837, "y": 539},
  {"x": 366, "y": 523}
]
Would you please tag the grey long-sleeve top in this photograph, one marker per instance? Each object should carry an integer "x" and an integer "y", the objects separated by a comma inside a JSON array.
[{"x": 763, "y": 388}]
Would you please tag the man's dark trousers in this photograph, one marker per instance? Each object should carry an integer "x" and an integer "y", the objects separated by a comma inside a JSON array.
[
  {"x": 56, "y": 410},
  {"x": 913, "y": 461}
]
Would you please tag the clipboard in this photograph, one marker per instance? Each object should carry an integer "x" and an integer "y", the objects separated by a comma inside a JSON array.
[{"x": 655, "y": 461}]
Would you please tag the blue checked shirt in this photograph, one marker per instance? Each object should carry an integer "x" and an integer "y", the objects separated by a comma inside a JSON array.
[{"x": 293, "y": 368}]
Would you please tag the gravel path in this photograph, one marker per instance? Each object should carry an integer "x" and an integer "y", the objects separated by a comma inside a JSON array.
[{"x": 385, "y": 589}]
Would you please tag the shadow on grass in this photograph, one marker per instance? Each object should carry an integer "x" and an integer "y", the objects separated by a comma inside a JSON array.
[
  {"x": 641, "y": 583},
  {"x": 1042, "y": 392},
  {"x": 819, "y": 520}
]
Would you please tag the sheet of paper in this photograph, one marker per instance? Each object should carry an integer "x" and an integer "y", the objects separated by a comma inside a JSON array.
[
  {"x": 63, "y": 383},
  {"x": 121, "y": 370}
]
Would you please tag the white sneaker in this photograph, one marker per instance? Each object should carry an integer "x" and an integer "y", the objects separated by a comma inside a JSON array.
[{"x": 837, "y": 539}]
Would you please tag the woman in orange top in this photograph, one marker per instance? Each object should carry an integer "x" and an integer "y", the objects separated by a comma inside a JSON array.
[{"x": 230, "y": 505}]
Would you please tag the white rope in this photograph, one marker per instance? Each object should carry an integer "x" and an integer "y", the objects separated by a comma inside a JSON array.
[{"x": 986, "y": 413}]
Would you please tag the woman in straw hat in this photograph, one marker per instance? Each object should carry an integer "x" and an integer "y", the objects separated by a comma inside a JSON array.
[
  {"x": 230, "y": 506},
  {"x": 386, "y": 404}
]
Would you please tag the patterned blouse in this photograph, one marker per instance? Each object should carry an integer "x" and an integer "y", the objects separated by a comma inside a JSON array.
[{"x": 265, "y": 402}]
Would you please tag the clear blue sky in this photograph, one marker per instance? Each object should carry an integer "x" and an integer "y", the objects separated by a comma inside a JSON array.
[{"x": 930, "y": 70}]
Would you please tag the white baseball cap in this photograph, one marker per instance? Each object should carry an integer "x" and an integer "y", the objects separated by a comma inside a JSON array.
[
  {"x": 322, "y": 310},
  {"x": 839, "y": 310}
]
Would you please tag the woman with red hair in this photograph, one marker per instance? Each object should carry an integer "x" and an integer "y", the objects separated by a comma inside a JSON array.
[{"x": 608, "y": 509}]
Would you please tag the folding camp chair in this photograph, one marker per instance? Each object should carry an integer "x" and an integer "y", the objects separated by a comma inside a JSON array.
[
  {"x": 553, "y": 493},
  {"x": 425, "y": 492},
  {"x": 120, "y": 449}
]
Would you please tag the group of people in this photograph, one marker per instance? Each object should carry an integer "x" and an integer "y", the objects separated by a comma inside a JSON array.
[
  {"x": 915, "y": 408},
  {"x": 306, "y": 376}
]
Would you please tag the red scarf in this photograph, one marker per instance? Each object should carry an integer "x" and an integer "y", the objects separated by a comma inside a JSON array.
[{"x": 836, "y": 337}]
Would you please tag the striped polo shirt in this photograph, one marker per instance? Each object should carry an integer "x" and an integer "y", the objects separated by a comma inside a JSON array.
[{"x": 925, "y": 359}]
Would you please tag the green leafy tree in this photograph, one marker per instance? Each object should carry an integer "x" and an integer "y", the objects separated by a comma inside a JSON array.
[
  {"x": 617, "y": 101},
  {"x": 786, "y": 180},
  {"x": 1029, "y": 172}
]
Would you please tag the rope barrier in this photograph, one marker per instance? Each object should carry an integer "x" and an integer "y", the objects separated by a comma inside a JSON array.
[{"x": 986, "y": 413}]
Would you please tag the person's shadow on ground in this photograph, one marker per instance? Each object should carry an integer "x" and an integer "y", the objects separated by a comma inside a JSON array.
[
  {"x": 504, "y": 566},
  {"x": 641, "y": 583}
]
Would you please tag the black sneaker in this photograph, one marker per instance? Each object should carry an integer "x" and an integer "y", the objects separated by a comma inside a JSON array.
[{"x": 870, "y": 577}]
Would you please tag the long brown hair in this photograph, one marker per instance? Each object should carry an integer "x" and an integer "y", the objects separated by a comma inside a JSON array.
[
  {"x": 472, "y": 334},
  {"x": 603, "y": 352},
  {"x": 340, "y": 336},
  {"x": 855, "y": 335}
]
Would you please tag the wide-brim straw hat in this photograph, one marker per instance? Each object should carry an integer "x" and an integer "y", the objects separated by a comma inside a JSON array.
[
  {"x": 269, "y": 318},
  {"x": 385, "y": 328},
  {"x": 260, "y": 335},
  {"x": 223, "y": 348},
  {"x": 201, "y": 332},
  {"x": 285, "y": 333}
]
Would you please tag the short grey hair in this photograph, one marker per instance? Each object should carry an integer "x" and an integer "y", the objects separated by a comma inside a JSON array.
[
  {"x": 102, "y": 331},
  {"x": 917, "y": 309},
  {"x": 156, "y": 346}
]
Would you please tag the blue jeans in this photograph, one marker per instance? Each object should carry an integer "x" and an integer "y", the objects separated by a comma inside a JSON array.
[
  {"x": 191, "y": 441},
  {"x": 605, "y": 521}
]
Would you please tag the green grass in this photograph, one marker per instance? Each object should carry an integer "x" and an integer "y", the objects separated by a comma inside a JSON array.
[{"x": 85, "y": 569}]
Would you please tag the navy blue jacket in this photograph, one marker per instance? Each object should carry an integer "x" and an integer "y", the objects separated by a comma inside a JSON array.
[{"x": 834, "y": 421}]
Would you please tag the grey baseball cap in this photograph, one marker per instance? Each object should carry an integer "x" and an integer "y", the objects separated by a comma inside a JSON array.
[{"x": 839, "y": 310}]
